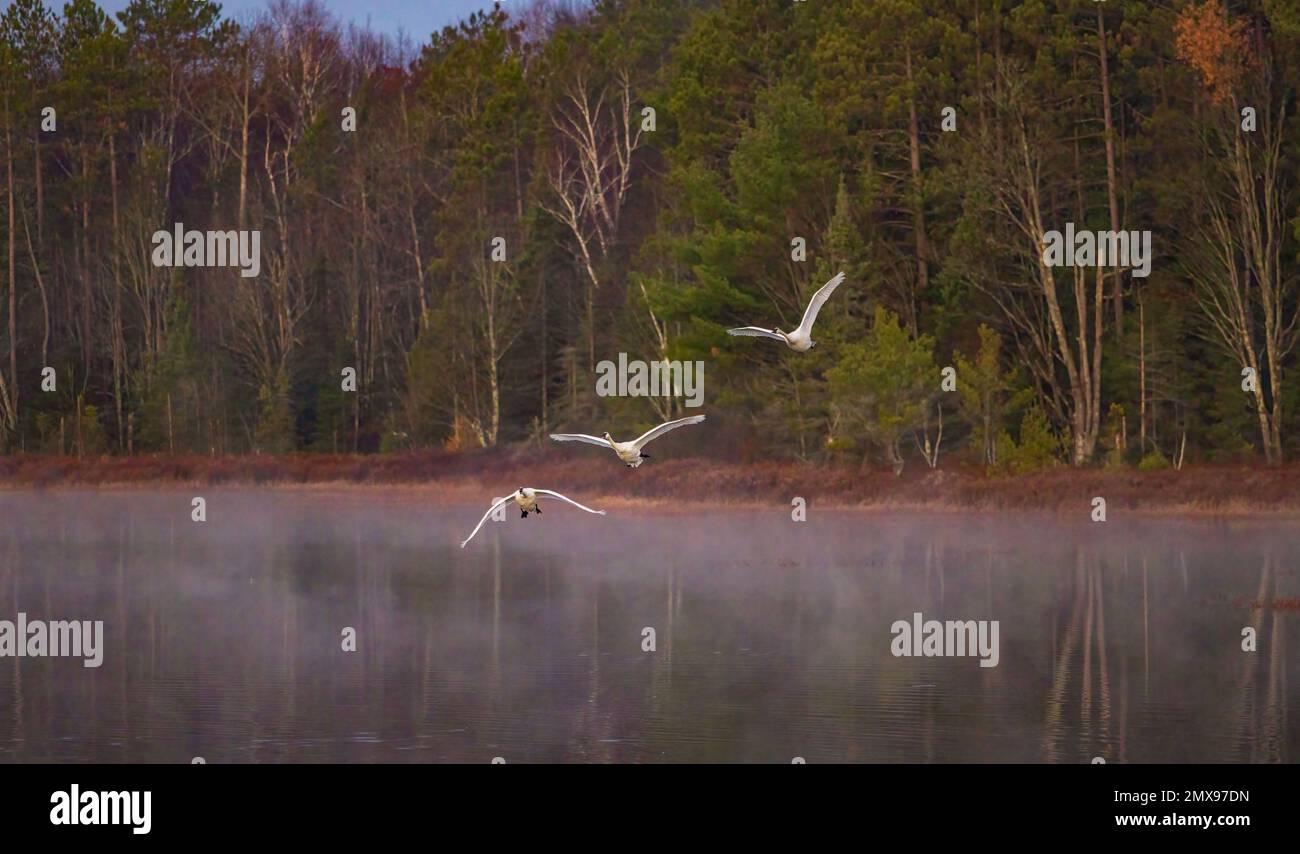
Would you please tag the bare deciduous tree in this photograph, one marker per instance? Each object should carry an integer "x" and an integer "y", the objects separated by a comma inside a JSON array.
[{"x": 590, "y": 172}]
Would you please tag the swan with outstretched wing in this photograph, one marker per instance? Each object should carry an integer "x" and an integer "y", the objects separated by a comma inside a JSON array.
[
  {"x": 525, "y": 499},
  {"x": 629, "y": 452},
  {"x": 799, "y": 339}
]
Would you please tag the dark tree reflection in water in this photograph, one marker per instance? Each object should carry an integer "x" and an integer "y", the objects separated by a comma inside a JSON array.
[{"x": 224, "y": 639}]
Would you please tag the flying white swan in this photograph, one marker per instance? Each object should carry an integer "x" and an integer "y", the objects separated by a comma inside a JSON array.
[
  {"x": 628, "y": 452},
  {"x": 800, "y": 340},
  {"x": 526, "y": 499}
]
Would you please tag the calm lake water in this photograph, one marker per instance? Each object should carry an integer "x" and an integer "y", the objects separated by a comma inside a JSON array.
[{"x": 224, "y": 639}]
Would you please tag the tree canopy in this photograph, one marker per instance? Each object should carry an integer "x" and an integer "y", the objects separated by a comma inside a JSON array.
[{"x": 472, "y": 222}]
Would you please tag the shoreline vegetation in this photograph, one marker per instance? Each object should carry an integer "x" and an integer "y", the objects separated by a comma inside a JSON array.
[
  {"x": 1065, "y": 231},
  {"x": 1214, "y": 490}
]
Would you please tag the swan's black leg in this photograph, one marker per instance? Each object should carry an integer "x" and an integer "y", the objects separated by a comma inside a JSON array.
[
  {"x": 538, "y": 509},
  {"x": 524, "y": 514}
]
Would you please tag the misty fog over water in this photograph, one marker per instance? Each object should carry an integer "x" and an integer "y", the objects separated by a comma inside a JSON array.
[{"x": 224, "y": 639}]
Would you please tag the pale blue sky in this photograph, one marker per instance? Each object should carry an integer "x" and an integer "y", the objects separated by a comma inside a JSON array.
[{"x": 418, "y": 18}]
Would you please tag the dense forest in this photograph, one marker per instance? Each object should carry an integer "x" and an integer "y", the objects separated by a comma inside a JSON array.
[{"x": 473, "y": 223}]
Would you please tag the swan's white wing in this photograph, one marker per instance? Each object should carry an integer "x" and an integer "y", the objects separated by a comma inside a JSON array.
[
  {"x": 496, "y": 502},
  {"x": 818, "y": 300},
  {"x": 755, "y": 332},
  {"x": 579, "y": 437},
  {"x": 664, "y": 428},
  {"x": 570, "y": 500}
]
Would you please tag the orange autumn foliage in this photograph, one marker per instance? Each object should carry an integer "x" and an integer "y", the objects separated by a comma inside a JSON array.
[{"x": 1217, "y": 47}]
